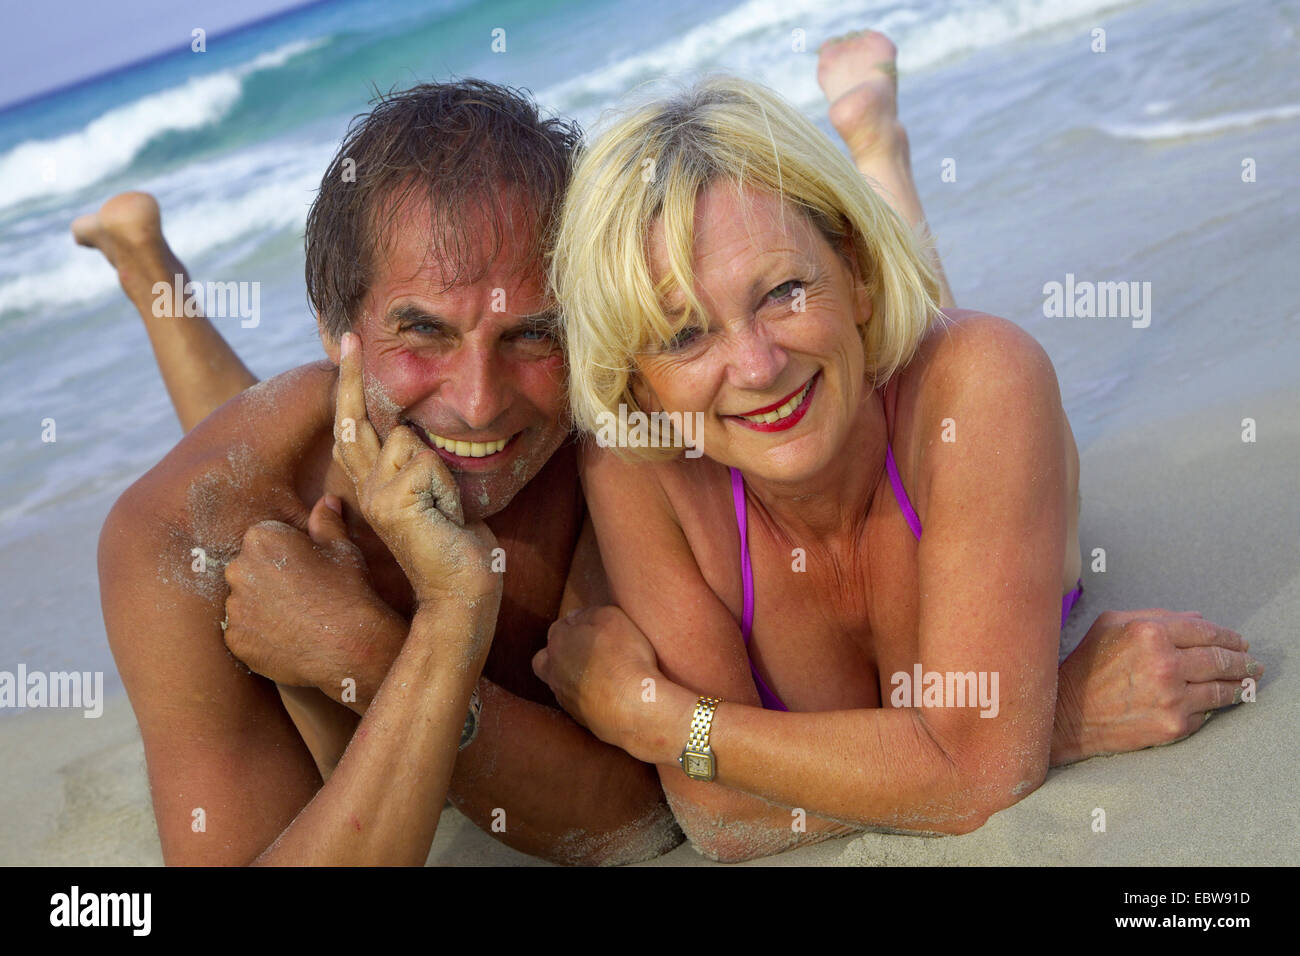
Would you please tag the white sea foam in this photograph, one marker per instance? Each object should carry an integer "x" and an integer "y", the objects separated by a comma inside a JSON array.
[
  {"x": 756, "y": 39},
  {"x": 1182, "y": 128},
  {"x": 111, "y": 141},
  {"x": 258, "y": 192}
]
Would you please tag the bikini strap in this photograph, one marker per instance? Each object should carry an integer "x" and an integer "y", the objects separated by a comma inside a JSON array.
[
  {"x": 746, "y": 569},
  {"x": 904, "y": 504}
]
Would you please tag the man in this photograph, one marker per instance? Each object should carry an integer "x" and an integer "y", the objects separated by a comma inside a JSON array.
[{"x": 251, "y": 535}]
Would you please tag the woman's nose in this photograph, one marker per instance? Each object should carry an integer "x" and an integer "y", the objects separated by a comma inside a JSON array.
[{"x": 755, "y": 360}]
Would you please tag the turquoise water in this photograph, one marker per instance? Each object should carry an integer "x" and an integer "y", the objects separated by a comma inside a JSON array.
[{"x": 1122, "y": 165}]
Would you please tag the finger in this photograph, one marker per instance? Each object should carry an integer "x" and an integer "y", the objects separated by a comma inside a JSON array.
[
  {"x": 1212, "y": 695},
  {"x": 325, "y": 524},
  {"x": 539, "y": 663},
  {"x": 399, "y": 448},
  {"x": 359, "y": 445},
  {"x": 1216, "y": 663},
  {"x": 421, "y": 472},
  {"x": 1198, "y": 632}
]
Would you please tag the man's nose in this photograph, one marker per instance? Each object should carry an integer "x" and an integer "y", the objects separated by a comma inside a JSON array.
[
  {"x": 480, "y": 394},
  {"x": 755, "y": 360}
]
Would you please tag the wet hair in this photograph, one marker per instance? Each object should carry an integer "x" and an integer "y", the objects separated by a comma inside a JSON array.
[
  {"x": 463, "y": 151},
  {"x": 652, "y": 165}
]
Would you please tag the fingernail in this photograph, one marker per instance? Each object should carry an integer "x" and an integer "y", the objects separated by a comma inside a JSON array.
[
  {"x": 1253, "y": 668},
  {"x": 1236, "y": 696},
  {"x": 348, "y": 343},
  {"x": 333, "y": 504}
]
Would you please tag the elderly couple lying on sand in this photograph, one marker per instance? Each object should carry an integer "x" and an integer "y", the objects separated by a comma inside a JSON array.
[{"x": 421, "y": 578}]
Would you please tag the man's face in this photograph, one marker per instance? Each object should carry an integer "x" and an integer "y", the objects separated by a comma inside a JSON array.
[{"x": 474, "y": 371}]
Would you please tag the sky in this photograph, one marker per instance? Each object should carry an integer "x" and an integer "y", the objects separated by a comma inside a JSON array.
[{"x": 48, "y": 44}]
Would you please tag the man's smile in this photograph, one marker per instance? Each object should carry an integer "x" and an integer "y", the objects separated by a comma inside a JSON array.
[{"x": 473, "y": 455}]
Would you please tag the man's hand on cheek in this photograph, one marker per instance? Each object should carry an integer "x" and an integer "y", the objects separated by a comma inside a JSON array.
[{"x": 301, "y": 610}]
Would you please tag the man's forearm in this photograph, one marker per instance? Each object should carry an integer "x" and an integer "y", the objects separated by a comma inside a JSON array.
[
  {"x": 381, "y": 804},
  {"x": 545, "y": 786},
  {"x": 536, "y": 780}
]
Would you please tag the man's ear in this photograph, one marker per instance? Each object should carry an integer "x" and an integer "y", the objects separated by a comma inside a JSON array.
[{"x": 328, "y": 342}]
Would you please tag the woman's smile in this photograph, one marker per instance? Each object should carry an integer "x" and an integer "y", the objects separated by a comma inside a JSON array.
[{"x": 783, "y": 414}]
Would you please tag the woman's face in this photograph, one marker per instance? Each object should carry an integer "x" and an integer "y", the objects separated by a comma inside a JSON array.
[{"x": 780, "y": 375}]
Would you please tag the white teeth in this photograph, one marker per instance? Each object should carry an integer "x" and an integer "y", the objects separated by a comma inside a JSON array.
[
  {"x": 784, "y": 411},
  {"x": 467, "y": 449}
]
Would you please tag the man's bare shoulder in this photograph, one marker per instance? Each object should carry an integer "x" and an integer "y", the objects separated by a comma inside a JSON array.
[{"x": 244, "y": 463}]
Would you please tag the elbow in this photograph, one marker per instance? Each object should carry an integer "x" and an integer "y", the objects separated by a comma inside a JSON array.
[
  {"x": 715, "y": 837},
  {"x": 984, "y": 798},
  {"x": 650, "y": 836},
  {"x": 723, "y": 847},
  {"x": 980, "y": 781}
]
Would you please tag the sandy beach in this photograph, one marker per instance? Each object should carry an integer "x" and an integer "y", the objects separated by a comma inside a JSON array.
[{"x": 75, "y": 790}]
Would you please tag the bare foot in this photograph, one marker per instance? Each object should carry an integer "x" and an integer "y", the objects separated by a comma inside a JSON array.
[
  {"x": 858, "y": 74},
  {"x": 124, "y": 228}
]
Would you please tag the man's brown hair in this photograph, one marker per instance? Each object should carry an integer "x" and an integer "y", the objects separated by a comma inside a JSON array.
[{"x": 456, "y": 146}]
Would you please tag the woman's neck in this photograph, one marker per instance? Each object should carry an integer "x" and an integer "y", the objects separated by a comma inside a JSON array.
[{"x": 834, "y": 502}]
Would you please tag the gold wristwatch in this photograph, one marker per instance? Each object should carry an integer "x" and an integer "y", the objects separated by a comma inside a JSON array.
[{"x": 697, "y": 759}]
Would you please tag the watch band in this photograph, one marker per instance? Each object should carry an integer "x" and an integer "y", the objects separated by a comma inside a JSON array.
[
  {"x": 697, "y": 759},
  {"x": 470, "y": 730},
  {"x": 702, "y": 723}
]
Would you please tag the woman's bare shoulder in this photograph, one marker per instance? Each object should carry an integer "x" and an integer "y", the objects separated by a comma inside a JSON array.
[{"x": 974, "y": 356}]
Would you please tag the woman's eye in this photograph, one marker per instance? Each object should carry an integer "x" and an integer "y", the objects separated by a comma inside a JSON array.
[
  {"x": 784, "y": 290},
  {"x": 683, "y": 338}
]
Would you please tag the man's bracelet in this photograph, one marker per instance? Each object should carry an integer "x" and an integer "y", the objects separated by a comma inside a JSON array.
[{"x": 471, "y": 721}]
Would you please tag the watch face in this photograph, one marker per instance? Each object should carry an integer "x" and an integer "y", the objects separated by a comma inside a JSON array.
[{"x": 698, "y": 765}]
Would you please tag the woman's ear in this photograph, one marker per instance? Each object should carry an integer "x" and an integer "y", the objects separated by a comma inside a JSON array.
[
  {"x": 861, "y": 295},
  {"x": 643, "y": 394}
]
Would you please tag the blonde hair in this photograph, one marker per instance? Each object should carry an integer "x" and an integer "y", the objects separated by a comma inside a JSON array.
[{"x": 653, "y": 164}]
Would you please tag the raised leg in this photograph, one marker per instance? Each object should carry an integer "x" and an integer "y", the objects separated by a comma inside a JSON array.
[
  {"x": 857, "y": 72},
  {"x": 199, "y": 368}
]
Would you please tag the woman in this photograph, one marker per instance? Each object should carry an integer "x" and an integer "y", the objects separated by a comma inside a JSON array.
[{"x": 846, "y": 613}]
